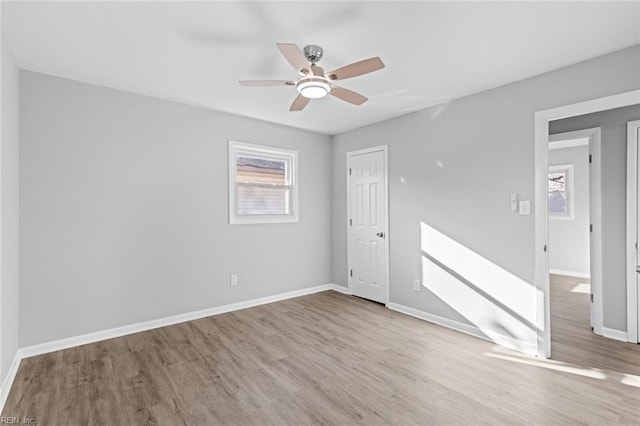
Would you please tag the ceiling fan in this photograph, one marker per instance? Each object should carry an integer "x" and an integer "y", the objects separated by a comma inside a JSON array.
[{"x": 314, "y": 83}]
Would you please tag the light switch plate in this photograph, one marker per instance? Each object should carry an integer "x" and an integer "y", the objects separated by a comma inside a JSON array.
[
  {"x": 524, "y": 208},
  {"x": 514, "y": 201}
]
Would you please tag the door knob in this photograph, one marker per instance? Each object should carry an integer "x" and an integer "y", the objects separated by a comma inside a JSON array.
[{"x": 381, "y": 235}]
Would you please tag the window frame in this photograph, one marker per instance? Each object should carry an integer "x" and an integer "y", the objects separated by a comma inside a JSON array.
[
  {"x": 290, "y": 156},
  {"x": 568, "y": 169}
]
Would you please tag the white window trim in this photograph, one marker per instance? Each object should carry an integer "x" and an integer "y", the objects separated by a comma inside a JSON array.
[
  {"x": 235, "y": 148},
  {"x": 569, "y": 190}
]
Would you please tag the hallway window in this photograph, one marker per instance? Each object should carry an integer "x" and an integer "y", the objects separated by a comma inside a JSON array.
[{"x": 560, "y": 191}]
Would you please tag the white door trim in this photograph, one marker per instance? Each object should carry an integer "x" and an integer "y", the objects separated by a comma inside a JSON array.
[
  {"x": 385, "y": 151},
  {"x": 541, "y": 164},
  {"x": 632, "y": 231},
  {"x": 592, "y": 138}
]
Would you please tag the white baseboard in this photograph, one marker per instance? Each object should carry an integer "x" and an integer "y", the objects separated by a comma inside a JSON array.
[
  {"x": 612, "y": 333},
  {"x": 570, "y": 273},
  {"x": 435, "y": 319},
  {"x": 97, "y": 336},
  {"x": 340, "y": 289},
  {"x": 8, "y": 380},
  {"x": 508, "y": 341}
]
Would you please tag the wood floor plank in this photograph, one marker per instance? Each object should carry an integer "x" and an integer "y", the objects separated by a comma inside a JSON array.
[{"x": 334, "y": 359}]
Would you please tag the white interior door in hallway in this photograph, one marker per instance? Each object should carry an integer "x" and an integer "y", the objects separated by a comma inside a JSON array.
[{"x": 368, "y": 224}]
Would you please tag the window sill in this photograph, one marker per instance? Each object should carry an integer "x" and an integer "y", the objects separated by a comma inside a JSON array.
[{"x": 248, "y": 220}]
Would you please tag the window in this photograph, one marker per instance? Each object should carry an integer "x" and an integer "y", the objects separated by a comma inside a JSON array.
[
  {"x": 263, "y": 185},
  {"x": 561, "y": 192}
]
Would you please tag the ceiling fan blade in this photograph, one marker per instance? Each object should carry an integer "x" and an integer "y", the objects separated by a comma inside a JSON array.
[
  {"x": 295, "y": 57},
  {"x": 357, "y": 68},
  {"x": 265, "y": 83},
  {"x": 299, "y": 103},
  {"x": 348, "y": 95}
]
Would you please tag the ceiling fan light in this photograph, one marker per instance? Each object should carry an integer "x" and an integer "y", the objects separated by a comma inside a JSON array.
[{"x": 314, "y": 89}]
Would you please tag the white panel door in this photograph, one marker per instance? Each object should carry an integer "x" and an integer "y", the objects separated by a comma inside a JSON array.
[{"x": 368, "y": 226}]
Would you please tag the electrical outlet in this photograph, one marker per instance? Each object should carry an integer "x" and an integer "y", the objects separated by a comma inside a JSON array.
[
  {"x": 234, "y": 279},
  {"x": 416, "y": 284}
]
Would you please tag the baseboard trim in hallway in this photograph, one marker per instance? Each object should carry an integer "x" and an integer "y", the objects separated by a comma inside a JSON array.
[{"x": 570, "y": 273}]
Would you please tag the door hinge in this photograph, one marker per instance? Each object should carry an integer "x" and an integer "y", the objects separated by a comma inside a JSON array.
[
  {"x": 349, "y": 171},
  {"x": 544, "y": 248},
  {"x": 351, "y": 272},
  {"x": 591, "y": 297},
  {"x": 590, "y": 159},
  {"x": 350, "y": 222},
  {"x": 591, "y": 227}
]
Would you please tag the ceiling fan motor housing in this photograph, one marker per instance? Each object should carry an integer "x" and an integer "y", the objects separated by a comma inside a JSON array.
[{"x": 313, "y": 53}]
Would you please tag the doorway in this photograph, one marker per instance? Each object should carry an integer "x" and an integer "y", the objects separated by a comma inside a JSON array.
[
  {"x": 368, "y": 223},
  {"x": 575, "y": 217},
  {"x": 541, "y": 257}
]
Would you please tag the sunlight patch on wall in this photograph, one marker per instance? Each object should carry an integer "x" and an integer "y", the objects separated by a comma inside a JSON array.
[
  {"x": 493, "y": 299},
  {"x": 495, "y": 322}
]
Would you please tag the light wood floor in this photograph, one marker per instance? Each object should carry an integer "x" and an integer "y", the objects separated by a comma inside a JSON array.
[
  {"x": 571, "y": 336},
  {"x": 332, "y": 359}
]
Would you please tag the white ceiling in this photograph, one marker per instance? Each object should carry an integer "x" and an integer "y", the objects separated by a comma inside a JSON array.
[{"x": 195, "y": 52}]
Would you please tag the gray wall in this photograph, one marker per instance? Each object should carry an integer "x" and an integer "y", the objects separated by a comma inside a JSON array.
[
  {"x": 569, "y": 238},
  {"x": 614, "y": 183},
  {"x": 9, "y": 203},
  {"x": 459, "y": 162},
  {"x": 124, "y": 211}
]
